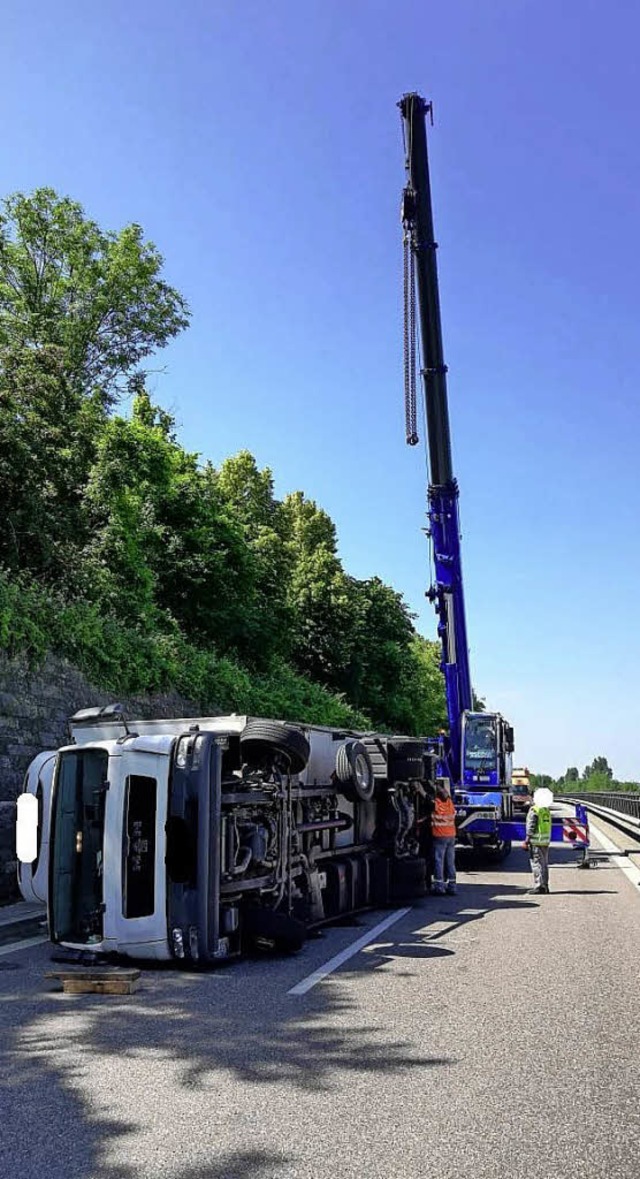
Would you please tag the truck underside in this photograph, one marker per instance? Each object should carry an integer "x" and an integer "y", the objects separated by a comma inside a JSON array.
[{"x": 267, "y": 831}]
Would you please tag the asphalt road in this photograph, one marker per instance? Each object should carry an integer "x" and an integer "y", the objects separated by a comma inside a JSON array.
[{"x": 492, "y": 1035}]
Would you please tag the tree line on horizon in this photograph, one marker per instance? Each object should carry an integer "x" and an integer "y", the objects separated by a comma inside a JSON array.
[
  {"x": 144, "y": 566},
  {"x": 597, "y": 777}
]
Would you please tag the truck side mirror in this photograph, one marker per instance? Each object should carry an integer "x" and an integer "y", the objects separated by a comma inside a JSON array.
[{"x": 508, "y": 739}]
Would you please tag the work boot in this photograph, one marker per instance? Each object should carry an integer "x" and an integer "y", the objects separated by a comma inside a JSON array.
[
  {"x": 538, "y": 891},
  {"x": 545, "y": 889},
  {"x": 451, "y": 890}
]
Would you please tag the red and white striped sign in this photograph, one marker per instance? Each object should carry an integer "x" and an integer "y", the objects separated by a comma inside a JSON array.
[{"x": 574, "y": 832}]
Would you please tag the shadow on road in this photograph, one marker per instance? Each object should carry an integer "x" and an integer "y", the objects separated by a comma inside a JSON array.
[
  {"x": 257, "y": 1164},
  {"x": 201, "y": 1036},
  {"x": 79, "y": 1073},
  {"x": 580, "y": 892}
]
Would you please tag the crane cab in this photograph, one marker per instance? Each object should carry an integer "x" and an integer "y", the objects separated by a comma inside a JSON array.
[{"x": 487, "y": 746}]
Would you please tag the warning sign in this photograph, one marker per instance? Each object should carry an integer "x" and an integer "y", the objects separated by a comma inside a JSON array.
[{"x": 575, "y": 832}]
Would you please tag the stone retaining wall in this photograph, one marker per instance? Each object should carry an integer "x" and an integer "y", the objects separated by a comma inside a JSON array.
[{"x": 34, "y": 710}]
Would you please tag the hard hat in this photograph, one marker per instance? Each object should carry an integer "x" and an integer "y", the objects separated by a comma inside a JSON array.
[{"x": 542, "y": 796}]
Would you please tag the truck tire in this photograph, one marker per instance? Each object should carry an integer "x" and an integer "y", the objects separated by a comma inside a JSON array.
[
  {"x": 259, "y": 738},
  {"x": 284, "y": 933},
  {"x": 354, "y": 771},
  {"x": 408, "y": 879},
  {"x": 405, "y": 760}
]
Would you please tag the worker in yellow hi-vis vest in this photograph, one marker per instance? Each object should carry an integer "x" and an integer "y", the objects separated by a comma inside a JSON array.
[{"x": 539, "y": 837}]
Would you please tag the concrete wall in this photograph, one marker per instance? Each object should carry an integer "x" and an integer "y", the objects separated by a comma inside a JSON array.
[{"x": 34, "y": 710}]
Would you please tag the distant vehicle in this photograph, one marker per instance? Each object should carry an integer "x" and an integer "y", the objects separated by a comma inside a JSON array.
[{"x": 521, "y": 795}]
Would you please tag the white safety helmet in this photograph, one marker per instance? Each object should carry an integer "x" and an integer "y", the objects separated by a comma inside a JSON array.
[{"x": 542, "y": 796}]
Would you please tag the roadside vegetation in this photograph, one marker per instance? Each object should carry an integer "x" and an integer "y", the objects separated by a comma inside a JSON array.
[
  {"x": 145, "y": 566},
  {"x": 596, "y": 777}
]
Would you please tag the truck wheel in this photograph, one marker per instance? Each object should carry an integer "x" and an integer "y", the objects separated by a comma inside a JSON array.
[
  {"x": 408, "y": 879},
  {"x": 259, "y": 738},
  {"x": 278, "y": 930},
  {"x": 354, "y": 771}
]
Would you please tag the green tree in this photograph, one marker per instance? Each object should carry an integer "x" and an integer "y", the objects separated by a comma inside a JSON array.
[
  {"x": 130, "y": 553},
  {"x": 248, "y": 491},
  {"x": 428, "y": 702},
  {"x": 541, "y": 780},
  {"x": 248, "y": 495},
  {"x": 161, "y": 537},
  {"x": 572, "y": 774},
  {"x": 597, "y": 780},
  {"x": 320, "y": 595},
  {"x": 98, "y": 297},
  {"x": 48, "y": 437},
  {"x": 599, "y": 766},
  {"x": 381, "y": 676},
  {"x": 306, "y": 526}
]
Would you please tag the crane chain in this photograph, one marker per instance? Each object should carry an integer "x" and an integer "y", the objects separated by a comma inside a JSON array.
[{"x": 409, "y": 328}]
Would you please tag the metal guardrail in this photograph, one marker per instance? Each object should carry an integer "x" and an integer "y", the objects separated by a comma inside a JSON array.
[
  {"x": 627, "y": 820},
  {"x": 625, "y": 804}
]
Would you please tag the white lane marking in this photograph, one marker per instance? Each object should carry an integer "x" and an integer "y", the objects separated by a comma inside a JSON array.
[
  {"x": 310, "y": 981},
  {"x": 27, "y": 941},
  {"x": 610, "y": 848}
]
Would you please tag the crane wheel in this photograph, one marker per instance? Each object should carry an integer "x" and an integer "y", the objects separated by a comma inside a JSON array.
[{"x": 500, "y": 851}]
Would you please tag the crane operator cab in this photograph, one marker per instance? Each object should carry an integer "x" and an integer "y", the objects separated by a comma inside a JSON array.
[
  {"x": 483, "y": 800},
  {"x": 487, "y": 746}
]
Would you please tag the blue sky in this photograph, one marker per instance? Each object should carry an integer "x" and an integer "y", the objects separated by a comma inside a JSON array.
[{"x": 259, "y": 146}]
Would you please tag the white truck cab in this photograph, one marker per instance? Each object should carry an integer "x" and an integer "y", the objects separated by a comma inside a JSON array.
[
  {"x": 33, "y": 876},
  {"x": 185, "y": 839}
]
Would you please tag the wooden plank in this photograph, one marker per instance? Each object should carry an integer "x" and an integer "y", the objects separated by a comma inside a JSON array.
[
  {"x": 105, "y": 986},
  {"x": 96, "y": 982},
  {"x": 99, "y": 972}
]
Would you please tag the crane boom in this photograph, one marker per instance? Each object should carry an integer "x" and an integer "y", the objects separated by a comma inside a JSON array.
[{"x": 447, "y": 592}]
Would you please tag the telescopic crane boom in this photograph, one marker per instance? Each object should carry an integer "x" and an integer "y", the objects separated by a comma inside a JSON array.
[
  {"x": 447, "y": 593},
  {"x": 477, "y": 754}
]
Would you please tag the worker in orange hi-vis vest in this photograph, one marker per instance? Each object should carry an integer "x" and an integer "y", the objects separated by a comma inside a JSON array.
[{"x": 443, "y": 826}]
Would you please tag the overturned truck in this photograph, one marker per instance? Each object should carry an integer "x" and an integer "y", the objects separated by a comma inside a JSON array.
[{"x": 195, "y": 840}]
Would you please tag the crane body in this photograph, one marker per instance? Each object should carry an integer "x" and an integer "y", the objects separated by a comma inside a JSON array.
[{"x": 476, "y": 755}]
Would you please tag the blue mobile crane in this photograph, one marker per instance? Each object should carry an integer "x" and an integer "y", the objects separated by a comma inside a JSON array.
[{"x": 476, "y": 753}]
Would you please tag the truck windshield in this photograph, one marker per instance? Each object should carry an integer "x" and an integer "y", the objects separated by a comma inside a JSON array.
[
  {"x": 480, "y": 743},
  {"x": 77, "y": 841}
]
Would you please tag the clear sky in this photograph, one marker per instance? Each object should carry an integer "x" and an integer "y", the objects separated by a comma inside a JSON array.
[{"x": 259, "y": 146}]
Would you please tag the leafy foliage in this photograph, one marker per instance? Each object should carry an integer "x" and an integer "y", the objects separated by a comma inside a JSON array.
[
  {"x": 597, "y": 777},
  {"x": 96, "y": 296},
  {"x": 599, "y": 768},
  {"x": 125, "y": 553}
]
